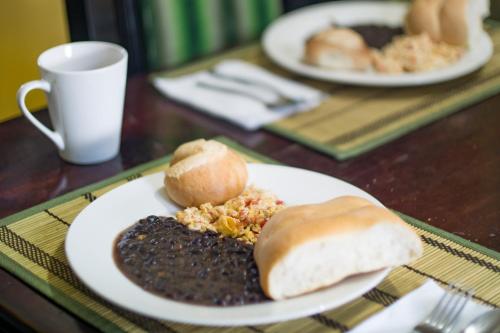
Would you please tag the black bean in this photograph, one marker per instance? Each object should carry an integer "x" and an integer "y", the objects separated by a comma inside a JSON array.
[
  {"x": 152, "y": 219},
  {"x": 185, "y": 265},
  {"x": 377, "y": 36}
]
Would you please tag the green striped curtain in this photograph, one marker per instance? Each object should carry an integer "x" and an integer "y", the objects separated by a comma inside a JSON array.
[{"x": 177, "y": 31}]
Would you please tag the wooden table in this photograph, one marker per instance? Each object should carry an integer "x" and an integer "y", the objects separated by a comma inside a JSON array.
[{"x": 446, "y": 174}]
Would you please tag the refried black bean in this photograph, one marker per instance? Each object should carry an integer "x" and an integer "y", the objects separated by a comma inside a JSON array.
[
  {"x": 168, "y": 259},
  {"x": 377, "y": 36}
]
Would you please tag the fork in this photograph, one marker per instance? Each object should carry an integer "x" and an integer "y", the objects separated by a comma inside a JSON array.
[
  {"x": 255, "y": 83},
  {"x": 276, "y": 104},
  {"x": 261, "y": 92},
  {"x": 444, "y": 314}
]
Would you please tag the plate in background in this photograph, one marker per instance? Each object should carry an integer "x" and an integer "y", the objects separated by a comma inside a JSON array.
[{"x": 284, "y": 40}]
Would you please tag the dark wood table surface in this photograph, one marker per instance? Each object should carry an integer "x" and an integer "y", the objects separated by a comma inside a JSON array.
[{"x": 446, "y": 174}]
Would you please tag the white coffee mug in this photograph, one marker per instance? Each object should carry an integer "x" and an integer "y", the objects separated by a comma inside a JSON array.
[{"x": 85, "y": 86}]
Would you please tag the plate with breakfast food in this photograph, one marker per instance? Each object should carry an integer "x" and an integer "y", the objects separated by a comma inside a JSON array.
[
  {"x": 214, "y": 240},
  {"x": 377, "y": 43}
]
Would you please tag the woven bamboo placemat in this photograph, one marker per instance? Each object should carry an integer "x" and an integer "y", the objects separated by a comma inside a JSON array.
[
  {"x": 354, "y": 119},
  {"x": 32, "y": 248}
]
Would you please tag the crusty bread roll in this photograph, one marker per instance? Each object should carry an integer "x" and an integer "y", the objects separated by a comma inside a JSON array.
[
  {"x": 304, "y": 248},
  {"x": 462, "y": 20},
  {"x": 205, "y": 171},
  {"x": 423, "y": 17},
  {"x": 338, "y": 48},
  {"x": 456, "y": 22}
]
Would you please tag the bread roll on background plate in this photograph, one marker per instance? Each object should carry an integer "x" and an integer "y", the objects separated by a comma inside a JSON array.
[
  {"x": 308, "y": 247},
  {"x": 338, "y": 48},
  {"x": 456, "y": 22},
  {"x": 462, "y": 20},
  {"x": 423, "y": 17},
  {"x": 205, "y": 171}
]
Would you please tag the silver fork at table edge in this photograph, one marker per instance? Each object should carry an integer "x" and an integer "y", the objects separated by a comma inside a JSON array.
[{"x": 443, "y": 316}]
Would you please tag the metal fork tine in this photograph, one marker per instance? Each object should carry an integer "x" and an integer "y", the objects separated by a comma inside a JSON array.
[
  {"x": 445, "y": 313},
  {"x": 440, "y": 308},
  {"x": 449, "y": 309},
  {"x": 451, "y": 319}
]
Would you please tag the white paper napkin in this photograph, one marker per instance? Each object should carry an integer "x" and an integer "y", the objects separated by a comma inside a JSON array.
[
  {"x": 410, "y": 310},
  {"x": 247, "y": 112}
]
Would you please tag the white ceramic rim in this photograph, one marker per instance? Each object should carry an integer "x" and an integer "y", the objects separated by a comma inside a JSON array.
[
  {"x": 95, "y": 267},
  {"x": 477, "y": 55},
  {"x": 44, "y": 63}
]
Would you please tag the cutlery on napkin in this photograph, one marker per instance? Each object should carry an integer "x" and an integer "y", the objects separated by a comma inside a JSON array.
[
  {"x": 410, "y": 310},
  {"x": 240, "y": 92}
]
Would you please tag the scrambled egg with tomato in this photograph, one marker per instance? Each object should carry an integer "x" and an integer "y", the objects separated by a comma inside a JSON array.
[{"x": 241, "y": 217}]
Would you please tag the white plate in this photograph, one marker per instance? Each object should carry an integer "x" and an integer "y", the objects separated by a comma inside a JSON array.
[
  {"x": 284, "y": 42},
  {"x": 90, "y": 238}
]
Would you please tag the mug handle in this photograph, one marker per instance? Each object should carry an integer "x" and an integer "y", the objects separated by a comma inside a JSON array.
[{"x": 21, "y": 95}]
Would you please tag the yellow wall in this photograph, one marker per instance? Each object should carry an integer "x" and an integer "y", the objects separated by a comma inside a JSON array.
[{"x": 27, "y": 27}]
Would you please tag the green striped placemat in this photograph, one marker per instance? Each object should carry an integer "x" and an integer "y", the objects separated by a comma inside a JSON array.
[
  {"x": 354, "y": 119},
  {"x": 32, "y": 248}
]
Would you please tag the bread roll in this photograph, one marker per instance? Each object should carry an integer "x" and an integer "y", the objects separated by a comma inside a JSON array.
[
  {"x": 456, "y": 22},
  {"x": 423, "y": 17},
  {"x": 462, "y": 20},
  {"x": 304, "y": 248},
  {"x": 338, "y": 49},
  {"x": 205, "y": 171}
]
